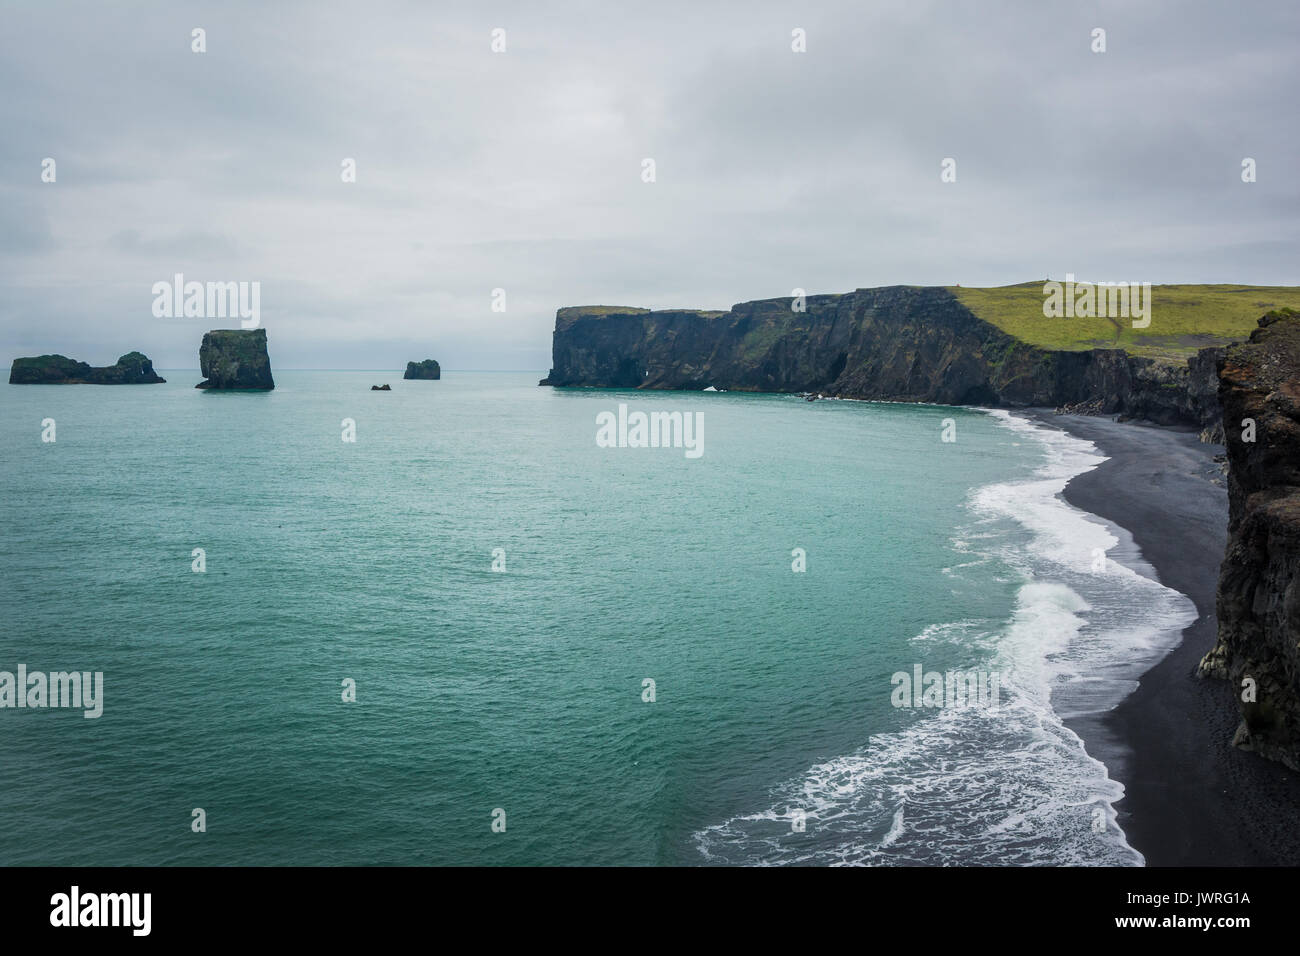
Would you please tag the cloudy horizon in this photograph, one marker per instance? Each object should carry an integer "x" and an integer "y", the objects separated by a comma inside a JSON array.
[{"x": 522, "y": 170}]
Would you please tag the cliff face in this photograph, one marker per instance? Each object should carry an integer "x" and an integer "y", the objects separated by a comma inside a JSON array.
[
  {"x": 235, "y": 359},
  {"x": 133, "y": 368},
  {"x": 898, "y": 343},
  {"x": 1259, "y": 597},
  {"x": 428, "y": 369}
]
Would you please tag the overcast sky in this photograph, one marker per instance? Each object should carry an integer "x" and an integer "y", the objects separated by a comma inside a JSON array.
[{"x": 522, "y": 170}]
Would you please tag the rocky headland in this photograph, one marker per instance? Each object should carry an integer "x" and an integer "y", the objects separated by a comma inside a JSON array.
[
  {"x": 896, "y": 343},
  {"x": 235, "y": 359},
  {"x": 923, "y": 344},
  {"x": 428, "y": 369},
  {"x": 133, "y": 368}
]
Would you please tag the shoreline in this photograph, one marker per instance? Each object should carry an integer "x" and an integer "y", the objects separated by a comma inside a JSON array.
[{"x": 1190, "y": 798}]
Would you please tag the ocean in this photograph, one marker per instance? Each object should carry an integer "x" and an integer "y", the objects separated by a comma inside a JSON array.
[{"x": 505, "y": 716}]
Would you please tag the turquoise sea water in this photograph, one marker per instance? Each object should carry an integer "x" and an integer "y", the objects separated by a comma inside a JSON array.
[{"x": 522, "y": 690}]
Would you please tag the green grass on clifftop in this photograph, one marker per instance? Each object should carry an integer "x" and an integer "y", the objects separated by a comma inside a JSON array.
[{"x": 1184, "y": 318}]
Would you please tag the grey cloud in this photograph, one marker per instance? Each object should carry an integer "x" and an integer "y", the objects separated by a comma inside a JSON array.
[
  {"x": 190, "y": 245},
  {"x": 521, "y": 170}
]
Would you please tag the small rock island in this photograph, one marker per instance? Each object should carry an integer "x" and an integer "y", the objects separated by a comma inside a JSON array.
[
  {"x": 235, "y": 359},
  {"x": 133, "y": 368},
  {"x": 427, "y": 369}
]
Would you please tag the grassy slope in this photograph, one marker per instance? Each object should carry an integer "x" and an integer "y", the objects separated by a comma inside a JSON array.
[{"x": 1184, "y": 318}]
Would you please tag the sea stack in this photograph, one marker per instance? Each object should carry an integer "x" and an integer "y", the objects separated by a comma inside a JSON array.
[
  {"x": 427, "y": 369},
  {"x": 235, "y": 359},
  {"x": 1258, "y": 598},
  {"x": 133, "y": 368}
]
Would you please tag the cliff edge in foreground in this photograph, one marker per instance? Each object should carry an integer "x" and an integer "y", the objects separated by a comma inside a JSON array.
[
  {"x": 1258, "y": 648},
  {"x": 235, "y": 359},
  {"x": 133, "y": 368}
]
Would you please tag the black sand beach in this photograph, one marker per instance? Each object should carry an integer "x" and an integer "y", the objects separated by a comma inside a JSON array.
[{"x": 1191, "y": 798}]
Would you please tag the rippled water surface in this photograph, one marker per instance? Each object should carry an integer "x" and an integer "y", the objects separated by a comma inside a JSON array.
[{"x": 523, "y": 690}]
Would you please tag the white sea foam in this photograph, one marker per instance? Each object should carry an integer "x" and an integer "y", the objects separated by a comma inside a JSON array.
[{"x": 1013, "y": 784}]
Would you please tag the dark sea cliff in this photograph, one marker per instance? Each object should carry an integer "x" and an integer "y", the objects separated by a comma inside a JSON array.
[{"x": 895, "y": 343}]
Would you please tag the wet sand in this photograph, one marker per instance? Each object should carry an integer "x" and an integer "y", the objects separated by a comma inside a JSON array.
[{"x": 1191, "y": 799}]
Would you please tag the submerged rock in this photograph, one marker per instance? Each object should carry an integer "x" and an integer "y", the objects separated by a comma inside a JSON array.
[
  {"x": 1258, "y": 647},
  {"x": 133, "y": 368},
  {"x": 235, "y": 359},
  {"x": 428, "y": 369}
]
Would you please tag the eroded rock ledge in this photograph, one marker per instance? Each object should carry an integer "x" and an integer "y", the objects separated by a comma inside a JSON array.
[
  {"x": 133, "y": 368},
  {"x": 1258, "y": 647}
]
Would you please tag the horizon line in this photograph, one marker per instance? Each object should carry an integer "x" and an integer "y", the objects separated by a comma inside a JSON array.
[{"x": 162, "y": 368}]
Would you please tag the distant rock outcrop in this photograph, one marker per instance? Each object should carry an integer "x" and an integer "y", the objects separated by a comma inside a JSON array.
[
  {"x": 235, "y": 359},
  {"x": 133, "y": 368},
  {"x": 427, "y": 369},
  {"x": 1258, "y": 649},
  {"x": 381, "y": 388}
]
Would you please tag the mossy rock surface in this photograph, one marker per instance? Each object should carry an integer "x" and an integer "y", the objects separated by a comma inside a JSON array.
[
  {"x": 428, "y": 370},
  {"x": 235, "y": 359},
  {"x": 133, "y": 368}
]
